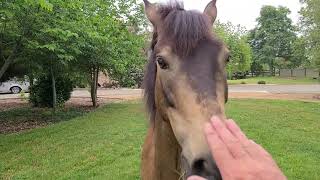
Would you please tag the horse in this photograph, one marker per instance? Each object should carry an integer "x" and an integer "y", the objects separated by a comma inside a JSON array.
[{"x": 184, "y": 85}]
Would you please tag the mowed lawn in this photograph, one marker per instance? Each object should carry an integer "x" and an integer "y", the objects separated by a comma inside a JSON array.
[
  {"x": 106, "y": 144},
  {"x": 275, "y": 80}
]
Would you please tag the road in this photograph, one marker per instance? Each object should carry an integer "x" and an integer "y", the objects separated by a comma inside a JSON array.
[
  {"x": 285, "y": 89},
  {"x": 123, "y": 93}
]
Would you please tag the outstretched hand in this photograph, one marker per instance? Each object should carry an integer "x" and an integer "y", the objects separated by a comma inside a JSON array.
[{"x": 236, "y": 156}]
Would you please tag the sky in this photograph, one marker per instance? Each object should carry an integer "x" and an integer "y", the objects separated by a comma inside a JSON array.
[{"x": 243, "y": 12}]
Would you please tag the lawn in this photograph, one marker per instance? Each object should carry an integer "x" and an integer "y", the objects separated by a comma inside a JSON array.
[
  {"x": 275, "y": 80},
  {"x": 106, "y": 143}
]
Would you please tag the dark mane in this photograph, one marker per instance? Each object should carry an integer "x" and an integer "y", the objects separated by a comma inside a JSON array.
[{"x": 183, "y": 30}]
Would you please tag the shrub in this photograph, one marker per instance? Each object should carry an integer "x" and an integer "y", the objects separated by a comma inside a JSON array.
[
  {"x": 23, "y": 96},
  {"x": 243, "y": 82},
  {"x": 262, "y": 82},
  {"x": 131, "y": 79},
  {"x": 41, "y": 92}
]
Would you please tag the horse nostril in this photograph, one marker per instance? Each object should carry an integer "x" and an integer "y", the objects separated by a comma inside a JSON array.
[
  {"x": 206, "y": 168},
  {"x": 199, "y": 167}
]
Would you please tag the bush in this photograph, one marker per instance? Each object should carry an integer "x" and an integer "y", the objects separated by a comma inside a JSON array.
[
  {"x": 41, "y": 92},
  {"x": 131, "y": 77},
  {"x": 243, "y": 82},
  {"x": 262, "y": 82},
  {"x": 239, "y": 75}
]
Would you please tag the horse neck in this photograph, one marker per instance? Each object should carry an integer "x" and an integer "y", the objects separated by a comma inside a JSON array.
[{"x": 167, "y": 151}]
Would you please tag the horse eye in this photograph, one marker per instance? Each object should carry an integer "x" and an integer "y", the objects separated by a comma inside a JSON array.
[{"x": 162, "y": 63}]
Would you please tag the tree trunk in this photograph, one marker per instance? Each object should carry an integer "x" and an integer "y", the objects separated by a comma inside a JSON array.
[
  {"x": 31, "y": 79},
  {"x": 5, "y": 66},
  {"x": 94, "y": 86},
  {"x": 10, "y": 59},
  {"x": 96, "y": 83},
  {"x": 54, "y": 91},
  {"x": 272, "y": 68}
]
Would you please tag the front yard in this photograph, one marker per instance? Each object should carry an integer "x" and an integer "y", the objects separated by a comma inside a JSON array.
[{"x": 106, "y": 143}]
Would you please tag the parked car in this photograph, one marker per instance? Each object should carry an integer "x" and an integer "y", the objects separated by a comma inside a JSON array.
[{"x": 14, "y": 86}]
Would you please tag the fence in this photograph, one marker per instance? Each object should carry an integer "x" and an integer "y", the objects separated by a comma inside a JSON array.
[{"x": 310, "y": 73}]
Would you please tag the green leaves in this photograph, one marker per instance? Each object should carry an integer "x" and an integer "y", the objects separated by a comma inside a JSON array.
[
  {"x": 75, "y": 35},
  {"x": 234, "y": 37},
  {"x": 273, "y": 37},
  {"x": 45, "y": 5},
  {"x": 311, "y": 29}
]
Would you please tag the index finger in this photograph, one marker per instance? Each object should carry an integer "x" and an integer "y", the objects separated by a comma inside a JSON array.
[
  {"x": 232, "y": 143},
  {"x": 219, "y": 150},
  {"x": 236, "y": 131}
]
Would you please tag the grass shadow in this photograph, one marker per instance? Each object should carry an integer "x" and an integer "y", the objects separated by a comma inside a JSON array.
[{"x": 25, "y": 118}]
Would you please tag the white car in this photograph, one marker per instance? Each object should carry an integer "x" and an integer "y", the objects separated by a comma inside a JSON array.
[{"x": 14, "y": 87}]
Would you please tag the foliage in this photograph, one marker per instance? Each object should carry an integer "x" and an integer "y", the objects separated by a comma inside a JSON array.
[
  {"x": 262, "y": 82},
  {"x": 236, "y": 40},
  {"x": 107, "y": 42},
  {"x": 257, "y": 68},
  {"x": 17, "y": 70},
  {"x": 311, "y": 28},
  {"x": 78, "y": 37},
  {"x": 299, "y": 53},
  {"x": 41, "y": 92},
  {"x": 81, "y": 148},
  {"x": 273, "y": 37},
  {"x": 19, "y": 20}
]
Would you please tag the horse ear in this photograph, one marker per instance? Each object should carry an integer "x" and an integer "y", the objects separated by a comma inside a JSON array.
[
  {"x": 211, "y": 11},
  {"x": 151, "y": 12}
]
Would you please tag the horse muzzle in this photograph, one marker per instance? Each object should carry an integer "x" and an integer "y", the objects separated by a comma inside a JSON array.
[{"x": 204, "y": 167}]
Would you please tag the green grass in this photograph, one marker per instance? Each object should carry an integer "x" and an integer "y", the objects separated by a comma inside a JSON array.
[
  {"x": 106, "y": 144},
  {"x": 275, "y": 80}
]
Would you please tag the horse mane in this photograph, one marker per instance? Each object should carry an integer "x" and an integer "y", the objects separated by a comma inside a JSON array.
[{"x": 183, "y": 30}]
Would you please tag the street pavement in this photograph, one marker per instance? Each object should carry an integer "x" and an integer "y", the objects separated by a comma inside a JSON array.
[{"x": 279, "y": 89}]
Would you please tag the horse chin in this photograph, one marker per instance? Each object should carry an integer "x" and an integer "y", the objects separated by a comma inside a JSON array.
[{"x": 187, "y": 171}]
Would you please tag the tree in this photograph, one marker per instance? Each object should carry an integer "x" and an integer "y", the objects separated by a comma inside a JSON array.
[
  {"x": 311, "y": 29},
  {"x": 15, "y": 27},
  {"x": 273, "y": 38},
  {"x": 299, "y": 53},
  {"x": 75, "y": 38},
  {"x": 240, "y": 50},
  {"x": 53, "y": 43},
  {"x": 106, "y": 43}
]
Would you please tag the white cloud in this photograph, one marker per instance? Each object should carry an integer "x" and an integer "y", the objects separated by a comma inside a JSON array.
[{"x": 243, "y": 12}]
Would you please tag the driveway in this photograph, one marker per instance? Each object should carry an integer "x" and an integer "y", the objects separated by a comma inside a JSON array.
[{"x": 295, "y": 90}]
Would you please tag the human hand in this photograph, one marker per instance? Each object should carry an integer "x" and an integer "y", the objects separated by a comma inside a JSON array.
[{"x": 237, "y": 157}]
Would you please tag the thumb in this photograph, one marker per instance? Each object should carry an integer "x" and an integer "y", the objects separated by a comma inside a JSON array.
[{"x": 196, "y": 178}]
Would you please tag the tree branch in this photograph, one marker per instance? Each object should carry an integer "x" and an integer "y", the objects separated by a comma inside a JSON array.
[{"x": 10, "y": 59}]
